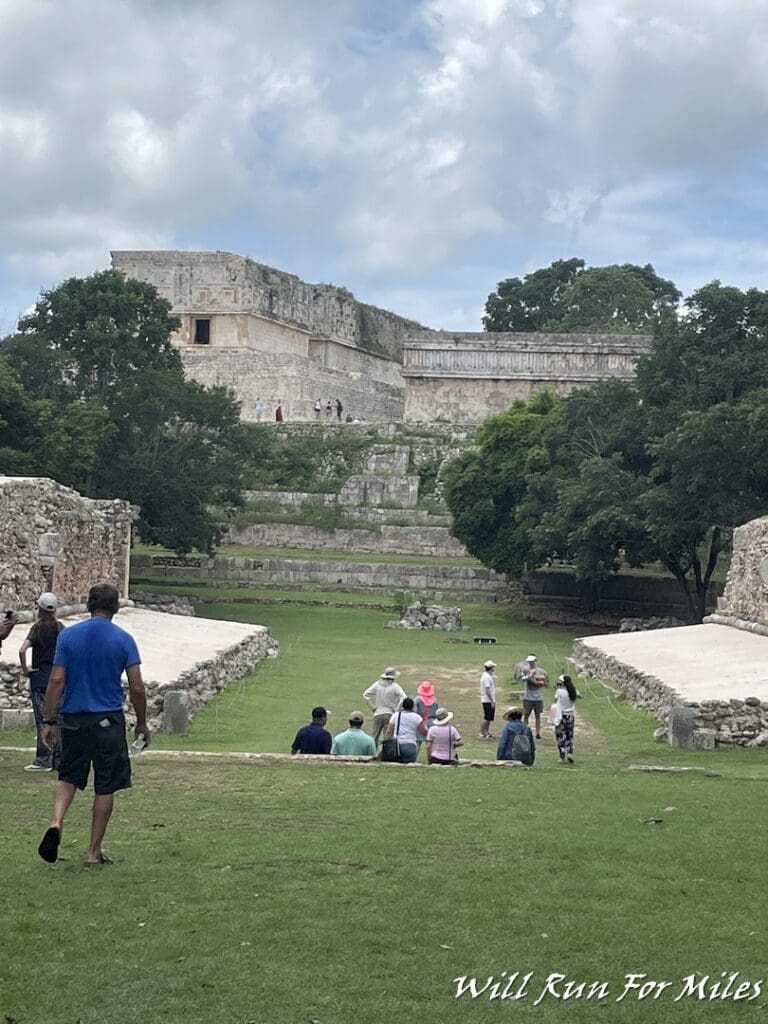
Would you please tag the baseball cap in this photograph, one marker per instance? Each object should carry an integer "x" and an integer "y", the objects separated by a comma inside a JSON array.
[
  {"x": 356, "y": 716},
  {"x": 490, "y": 664},
  {"x": 531, "y": 657},
  {"x": 48, "y": 602}
]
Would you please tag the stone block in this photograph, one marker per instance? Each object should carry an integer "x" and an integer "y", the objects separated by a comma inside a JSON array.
[
  {"x": 11, "y": 718},
  {"x": 704, "y": 739},
  {"x": 681, "y": 727},
  {"x": 176, "y": 711}
]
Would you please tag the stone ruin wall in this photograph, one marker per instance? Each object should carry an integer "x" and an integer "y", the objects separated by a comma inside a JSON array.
[
  {"x": 464, "y": 377},
  {"x": 222, "y": 282},
  {"x": 744, "y": 603},
  {"x": 732, "y": 722},
  {"x": 54, "y": 539},
  {"x": 295, "y": 381}
]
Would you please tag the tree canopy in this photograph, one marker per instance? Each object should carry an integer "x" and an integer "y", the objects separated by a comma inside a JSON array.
[
  {"x": 658, "y": 469},
  {"x": 93, "y": 395},
  {"x": 568, "y": 297}
]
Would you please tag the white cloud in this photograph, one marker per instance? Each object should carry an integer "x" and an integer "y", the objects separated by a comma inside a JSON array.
[{"x": 386, "y": 146}]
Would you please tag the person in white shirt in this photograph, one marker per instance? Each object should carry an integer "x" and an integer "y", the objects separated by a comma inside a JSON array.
[
  {"x": 566, "y": 696},
  {"x": 383, "y": 697},
  {"x": 406, "y": 726},
  {"x": 488, "y": 699}
]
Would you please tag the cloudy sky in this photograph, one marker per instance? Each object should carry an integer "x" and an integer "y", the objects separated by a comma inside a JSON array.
[{"x": 416, "y": 151}]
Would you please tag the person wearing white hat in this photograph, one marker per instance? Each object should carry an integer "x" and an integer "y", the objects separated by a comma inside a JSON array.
[
  {"x": 443, "y": 739},
  {"x": 42, "y": 639},
  {"x": 384, "y": 697},
  {"x": 535, "y": 679},
  {"x": 487, "y": 699}
]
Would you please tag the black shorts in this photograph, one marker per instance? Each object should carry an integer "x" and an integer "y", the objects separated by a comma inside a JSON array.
[
  {"x": 489, "y": 712},
  {"x": 95, "y": 738}
]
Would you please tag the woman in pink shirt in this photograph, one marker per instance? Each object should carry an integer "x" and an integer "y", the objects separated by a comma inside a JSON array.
[{"x": 443, "y": 739}]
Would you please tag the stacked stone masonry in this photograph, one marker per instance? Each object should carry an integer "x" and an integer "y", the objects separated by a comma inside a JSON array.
[
  {"x": 419, "y": 540},
  {"x": 425, "y": 616},
  {"x": 201, "y": 683},
  {"x": 354, "y": 575},
  {"x": 739, "y": 722},
  {"x": 54, "y": 539},
  {"x": 744, "y": 603}
]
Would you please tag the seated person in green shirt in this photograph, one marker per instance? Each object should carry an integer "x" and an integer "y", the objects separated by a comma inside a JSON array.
[{"x": 354, "y": 742}]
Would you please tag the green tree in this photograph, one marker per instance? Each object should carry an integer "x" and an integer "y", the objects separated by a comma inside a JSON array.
[
  {"x": 566, "y": 297},
  {"x": 98, "y": 330},
  {"x": 485, "y": 486},
  {"x": 109, "y": 411},
  {"x": 533, "y": 302}
]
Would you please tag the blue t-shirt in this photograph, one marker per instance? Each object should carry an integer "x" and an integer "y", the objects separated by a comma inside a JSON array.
[{"x": 94, "y": 654}]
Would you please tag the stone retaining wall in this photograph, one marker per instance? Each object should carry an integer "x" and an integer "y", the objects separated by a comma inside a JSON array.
[
  {"x": 202, "y": 682},
  {"x": 353, "y": 575},
  {"x": 734, "y": 722},
  {"x": 745, "y": 599},
  {"x": 417, "y": 540}
]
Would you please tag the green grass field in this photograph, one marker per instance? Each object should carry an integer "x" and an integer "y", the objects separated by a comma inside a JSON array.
[
  {"x": 348, "y": 894},
  {"x": 316, "y": 555}
]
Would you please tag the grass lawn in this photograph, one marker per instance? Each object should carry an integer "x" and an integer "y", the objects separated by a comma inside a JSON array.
[{"x": 349, "y": 894}]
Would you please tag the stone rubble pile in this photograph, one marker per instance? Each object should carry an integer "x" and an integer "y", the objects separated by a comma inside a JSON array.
[
  {"x": 422, "y": 616},
  {"x": 171, "y": 604},
  {"x": 636, "y": 625}
]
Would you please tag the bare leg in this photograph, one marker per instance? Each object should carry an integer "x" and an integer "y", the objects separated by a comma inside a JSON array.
[
  {"x": 537, "y": 715},
  {"x": 63, "y": 796},
  {"x": 102, "y": 812}
]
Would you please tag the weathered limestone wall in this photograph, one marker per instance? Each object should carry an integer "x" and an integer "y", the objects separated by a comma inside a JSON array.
[
  {"x": 202, "y": 284},
  {"x": 294, "y": 500},
  {"x": 460, "y": 378},
  {"x": 745, "y": 599},
  {"x": 202, "y": 682},
  {"x": 54, "y": 539},
  {"x": 740, "y": 722},
  {"x": 417, "y": 540},
  {"x": 265, "y": 571},
  {"x": 294, "y": 381}
]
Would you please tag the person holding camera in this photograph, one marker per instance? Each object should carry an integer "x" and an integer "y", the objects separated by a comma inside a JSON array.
[{"x": 6, "y": 625}]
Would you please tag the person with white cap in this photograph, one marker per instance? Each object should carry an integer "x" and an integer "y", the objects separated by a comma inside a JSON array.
[
  {"x": 42, "y": 639},
  {"x": 535, "y": 679},
  {"x": 384, "y": 697},
  {"x": 487, "y": 699},
  {"x": 443, "y": 739}
]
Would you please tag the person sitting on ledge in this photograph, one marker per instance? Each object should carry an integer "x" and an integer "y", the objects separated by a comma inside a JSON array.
[
  {"x": 516, "y": 742},
  {"x": 313, "y": 738},
  {"x": 354, "y": 742}
]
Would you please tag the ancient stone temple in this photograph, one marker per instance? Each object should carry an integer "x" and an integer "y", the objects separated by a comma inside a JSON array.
[
  {"x": 269, "y": 335},
  {"x": 275, "y": 339},
  {"x": 461, "y": 378}
]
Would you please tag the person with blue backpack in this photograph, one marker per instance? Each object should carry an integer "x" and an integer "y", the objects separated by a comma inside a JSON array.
[{"x": 516, "y": 742}]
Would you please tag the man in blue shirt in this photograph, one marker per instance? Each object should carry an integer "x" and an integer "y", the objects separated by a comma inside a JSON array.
[
  {"x": 313, "y": 738},
  {"x": 87, "y": 668}
]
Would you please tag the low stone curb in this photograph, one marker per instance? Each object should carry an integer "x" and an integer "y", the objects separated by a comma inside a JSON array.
[{"x": 672, "y": 770}]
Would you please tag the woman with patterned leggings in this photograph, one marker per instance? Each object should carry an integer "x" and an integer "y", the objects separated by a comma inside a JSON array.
[{"x": 566, "y": 696}]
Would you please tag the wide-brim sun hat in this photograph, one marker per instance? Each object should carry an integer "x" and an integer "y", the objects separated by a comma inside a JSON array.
[
  {"x": 443, "y": 716},
  {"x": 426, "y": 690},
  {"x": 48, "y": 602},
  {"x": 389, "y": 673},
  {"x": 512, "y": 711},
  {"x": 489, "y": 664}
]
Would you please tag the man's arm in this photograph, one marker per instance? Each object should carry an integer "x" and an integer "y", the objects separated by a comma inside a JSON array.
[
  {"x": 138, "y": 697},
  {"x": 53, "y": 694},
  {"x": 368, "y": 694},
  {"x": 6, "y": 625}
]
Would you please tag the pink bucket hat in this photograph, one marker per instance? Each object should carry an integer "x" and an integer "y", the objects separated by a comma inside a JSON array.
[{"x": 426, "y": 691}]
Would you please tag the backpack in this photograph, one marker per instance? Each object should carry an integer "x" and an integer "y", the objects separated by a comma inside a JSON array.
[{"x": 521, "y": 748}]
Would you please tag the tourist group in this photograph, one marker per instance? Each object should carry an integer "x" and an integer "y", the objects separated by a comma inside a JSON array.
[{"x": 403, "y": 725}]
